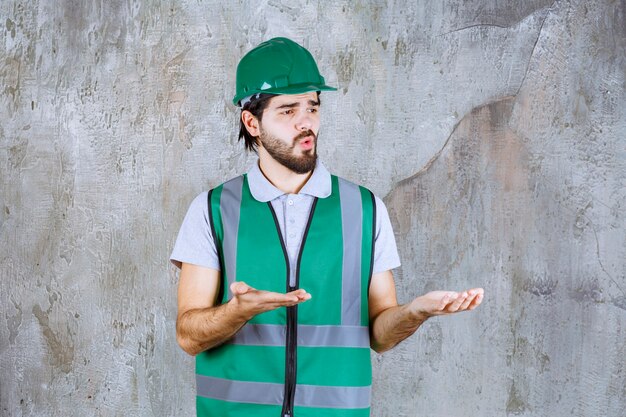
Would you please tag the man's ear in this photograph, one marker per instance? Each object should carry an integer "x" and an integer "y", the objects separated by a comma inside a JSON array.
[{"x": 251, "y": 123}]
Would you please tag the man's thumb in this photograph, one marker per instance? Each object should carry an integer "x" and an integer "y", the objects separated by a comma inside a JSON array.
[{"x": 238, "y": 288}]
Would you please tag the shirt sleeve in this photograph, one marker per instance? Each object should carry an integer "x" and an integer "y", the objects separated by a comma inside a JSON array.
[
  {"x": 194, "y": 244},
  {"x": 385, "y": 250}
]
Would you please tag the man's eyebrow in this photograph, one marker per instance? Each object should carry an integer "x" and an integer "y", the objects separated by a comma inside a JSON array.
[
  {"x": 287, "y": 106},
  {"x": 296, "y": 104}
]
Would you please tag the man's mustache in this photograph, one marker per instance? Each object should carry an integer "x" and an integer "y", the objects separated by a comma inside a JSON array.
[{"x": 304, "y": 135}]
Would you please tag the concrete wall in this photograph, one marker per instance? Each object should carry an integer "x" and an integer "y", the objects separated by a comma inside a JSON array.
[{"x": 494, "y": 130}]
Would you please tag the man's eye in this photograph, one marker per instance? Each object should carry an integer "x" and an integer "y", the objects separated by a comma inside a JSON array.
[
  {"x": 313, "y": 110},
  {"x": 288, "y": 111}
]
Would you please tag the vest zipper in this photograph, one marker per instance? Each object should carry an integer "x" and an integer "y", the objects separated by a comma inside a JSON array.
[
  {"x": 290, "y": 360},
  {"x": 292, "y": 318}
]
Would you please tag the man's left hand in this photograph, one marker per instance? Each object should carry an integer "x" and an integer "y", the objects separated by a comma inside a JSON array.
[{"x": 438, "y": 303}]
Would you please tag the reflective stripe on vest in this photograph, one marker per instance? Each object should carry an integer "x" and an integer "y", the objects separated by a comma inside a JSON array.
[
  {"x": 310, "y": 336},
  {"x": 272, "y": 394},
  {"x": 229, "y": 207},
  {"x": 332, "y": 358},
  {"x": 351, "y": 223}
]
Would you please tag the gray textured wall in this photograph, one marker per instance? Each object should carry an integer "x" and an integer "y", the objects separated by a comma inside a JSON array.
[{"x": 493, "y": 129}]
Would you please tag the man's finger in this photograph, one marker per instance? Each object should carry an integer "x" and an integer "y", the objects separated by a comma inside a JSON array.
[
  {"x": 476, "y": 302},
  {"x": 447, "y": 300},
  {"x": 275, "y": 297},
  {"x": 478, "y": 291},
  {"x": 470, "y": 297},
  {"x": 457, "y": 303},
  {"x": 301, "y": 294},
  {"x": 268, "y": 300},
  {"x": 294, "y": 297},
  {"x": 239, "y": 287}
]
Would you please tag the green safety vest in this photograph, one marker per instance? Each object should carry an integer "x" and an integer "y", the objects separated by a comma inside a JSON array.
[{"x": 312, "y": 359}]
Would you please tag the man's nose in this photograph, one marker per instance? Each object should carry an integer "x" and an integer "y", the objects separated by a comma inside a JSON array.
[{"x": 304, "y": 121}]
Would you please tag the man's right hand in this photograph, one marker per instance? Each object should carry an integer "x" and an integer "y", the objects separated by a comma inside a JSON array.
[
  {"x": 249, "y": 301},
  {"x": 202, "y": 325}
]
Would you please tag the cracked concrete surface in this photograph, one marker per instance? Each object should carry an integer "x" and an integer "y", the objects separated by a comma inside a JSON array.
[
  {"x": 501, "y": 15},
  {"x": 494, "y": 131}
]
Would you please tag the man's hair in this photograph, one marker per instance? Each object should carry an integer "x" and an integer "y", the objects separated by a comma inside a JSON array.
[{"x": 256, "y": 107}]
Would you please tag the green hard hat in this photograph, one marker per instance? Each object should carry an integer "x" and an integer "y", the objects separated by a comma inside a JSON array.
[{"x": 278, "y": 66}]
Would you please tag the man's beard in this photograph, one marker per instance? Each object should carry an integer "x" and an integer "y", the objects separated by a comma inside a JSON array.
[{"x": 284, "y": 154}]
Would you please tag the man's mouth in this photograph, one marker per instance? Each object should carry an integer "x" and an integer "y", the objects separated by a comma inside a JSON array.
[{"x": 307, "y": 142}]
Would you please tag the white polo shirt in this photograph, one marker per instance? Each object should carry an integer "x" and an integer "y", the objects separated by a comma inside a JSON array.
[{"x": 195, "y": 244}]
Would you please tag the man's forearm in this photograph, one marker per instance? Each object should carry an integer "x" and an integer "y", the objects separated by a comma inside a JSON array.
[
  {"x": 200, "y": 329},
  {"x": 393, "y": 326}
]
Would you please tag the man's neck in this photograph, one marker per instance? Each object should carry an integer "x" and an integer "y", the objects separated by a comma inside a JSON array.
[{"x": 282, "y": 177}]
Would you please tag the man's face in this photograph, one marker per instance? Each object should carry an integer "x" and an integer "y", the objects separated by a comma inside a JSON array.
[{"x": 288, "y": 130}]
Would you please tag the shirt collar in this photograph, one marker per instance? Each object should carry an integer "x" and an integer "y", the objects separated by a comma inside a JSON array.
[{"x": 318, "y": 185}]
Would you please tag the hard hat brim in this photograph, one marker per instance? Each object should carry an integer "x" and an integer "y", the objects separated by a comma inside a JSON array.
[{"x": 292, "y": 89}]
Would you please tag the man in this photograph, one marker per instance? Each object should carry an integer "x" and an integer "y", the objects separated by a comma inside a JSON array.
[{"x": 285, "y": 279}]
